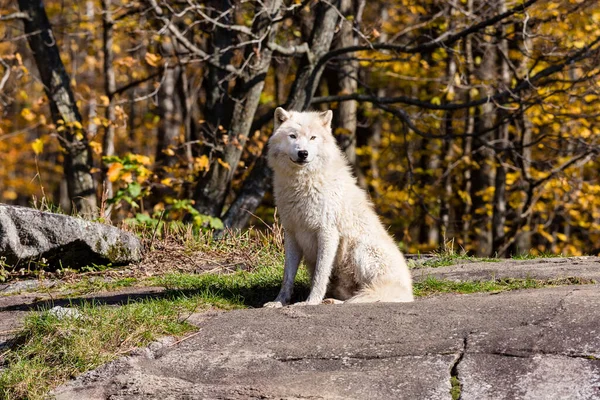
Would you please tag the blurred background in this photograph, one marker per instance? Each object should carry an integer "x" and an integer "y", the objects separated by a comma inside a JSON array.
[{"x": 472, "y": 124}]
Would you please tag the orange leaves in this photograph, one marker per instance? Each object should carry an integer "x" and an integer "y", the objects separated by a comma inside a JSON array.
[
  {"x": 152, "y": 59},
  {"x": 113, "y": 171}
]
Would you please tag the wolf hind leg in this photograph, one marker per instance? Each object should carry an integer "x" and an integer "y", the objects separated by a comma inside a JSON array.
[{"x": 384, "y": 291}]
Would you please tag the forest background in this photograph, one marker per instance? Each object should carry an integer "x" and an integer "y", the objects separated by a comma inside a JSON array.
[{"x": 473, "y": 124}]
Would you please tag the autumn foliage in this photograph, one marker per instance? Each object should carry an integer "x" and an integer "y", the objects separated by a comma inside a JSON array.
[{"x": 471, "y": 123}]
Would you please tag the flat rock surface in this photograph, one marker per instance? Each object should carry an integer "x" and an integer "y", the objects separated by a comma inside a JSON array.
[
  {"x": 587, "y": 268},
  {"x": 529, "y": 344}
]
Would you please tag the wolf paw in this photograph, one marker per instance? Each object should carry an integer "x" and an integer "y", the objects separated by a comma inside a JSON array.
[
  {"x": 332, "y": 301},
  {"x": 273, "y": 304}
]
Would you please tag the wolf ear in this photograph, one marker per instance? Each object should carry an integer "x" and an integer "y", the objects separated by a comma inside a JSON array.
[
  {"x": 326, "y": 117},
  {"x": 280, "y": 117}
]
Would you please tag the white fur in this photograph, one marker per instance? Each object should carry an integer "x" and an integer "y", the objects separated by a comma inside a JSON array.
[{"x": 328, "y": 220}]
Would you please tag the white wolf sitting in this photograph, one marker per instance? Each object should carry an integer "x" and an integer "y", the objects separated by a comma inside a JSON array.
[{"x": 328, "y": 220}]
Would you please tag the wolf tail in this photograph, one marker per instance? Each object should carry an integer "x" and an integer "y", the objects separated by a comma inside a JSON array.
[{"x": 385, "y": 291}]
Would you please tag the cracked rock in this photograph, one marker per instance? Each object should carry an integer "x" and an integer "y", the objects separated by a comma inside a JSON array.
[{"x": 377, "y": 351}]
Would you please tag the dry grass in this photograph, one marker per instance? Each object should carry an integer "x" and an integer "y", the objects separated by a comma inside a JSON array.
[{"x": 177, "y": 248}]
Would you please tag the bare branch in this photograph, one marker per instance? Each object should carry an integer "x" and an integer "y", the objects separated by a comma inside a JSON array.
[
  {"x": 444, "y": 40},
  {"x": 291, "y": 11},
  {"x": 292, "y": 50},
  {"x": 131, "y": 84},
  {"x": 237, "y": 28},
  {"x": 500, "y": 97},
  {"x": 15, "y": 15},
  {"x": 6, "y": 74},
  {"x": 579, "y": 160},
  {"x": 189, "y": 45}
]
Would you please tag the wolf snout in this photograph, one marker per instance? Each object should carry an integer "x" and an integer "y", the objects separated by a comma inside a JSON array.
[{"x": 302, "y": 155}]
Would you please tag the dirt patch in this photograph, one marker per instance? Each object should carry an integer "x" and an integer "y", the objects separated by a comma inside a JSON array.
[{"x": 173, "y": 256}]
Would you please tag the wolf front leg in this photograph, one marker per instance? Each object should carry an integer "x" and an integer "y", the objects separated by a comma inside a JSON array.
[
  {"x": 329, "y": 241},
  {"x": 293, "y": 256}
]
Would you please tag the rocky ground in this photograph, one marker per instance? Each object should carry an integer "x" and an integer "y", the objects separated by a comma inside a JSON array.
[{"x": 535, "y": 344}]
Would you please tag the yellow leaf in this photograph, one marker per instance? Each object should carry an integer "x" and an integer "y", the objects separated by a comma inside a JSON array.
[
  {"x": 223, "y": 164},
  {"x": 166, "y": 181},
  {"x": 104, "y": 100},
  {"x": 9, "y": 195},
  {"x": 127, "y": 177},
  {"x": 37, "y": 146},
  {"x": 201, "y": 163},
  {"x": 113, "y": 171},
  {"x": 169, "y": 152},
  {"x": 96, "y": 147},
  {"x": 436, "y": 100},
  {"x": 143, "y": 173},
  {"x": 152, "y": 59},
  {"x": 27, "y": 115},
  {"x": 546, "y": 235},
  {"x": 144, "y": 160},
  {"x": 562, "y": 237}
]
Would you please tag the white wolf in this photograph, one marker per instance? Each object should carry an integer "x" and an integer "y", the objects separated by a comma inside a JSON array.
[{"x": 328, "y": 220}]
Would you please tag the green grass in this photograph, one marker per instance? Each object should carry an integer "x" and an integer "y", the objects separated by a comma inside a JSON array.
[
  {"x": 243, "y": 288},
  {"x": 444, "y": 260},
  {"x": 529, "y": 256},
  {"x": 49, "y": 350},
  {"x": 431, "y": 285},
  {"x": 455, "y": 389},
  {"x": 93, "y": 285}
]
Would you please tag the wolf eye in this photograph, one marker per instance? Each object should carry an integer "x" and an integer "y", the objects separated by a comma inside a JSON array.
[
  {"x": 313, "y": 137},
  {"x": 293, "y": 136}
]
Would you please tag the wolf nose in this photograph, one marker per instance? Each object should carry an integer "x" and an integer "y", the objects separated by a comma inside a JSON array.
[{"x": 302, "y": 155}]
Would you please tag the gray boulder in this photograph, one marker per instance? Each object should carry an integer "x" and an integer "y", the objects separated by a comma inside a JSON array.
[{"x": 62, "y": 241}]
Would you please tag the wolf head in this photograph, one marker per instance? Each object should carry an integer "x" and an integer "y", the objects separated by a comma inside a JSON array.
[{"x": 300, "y": 139}]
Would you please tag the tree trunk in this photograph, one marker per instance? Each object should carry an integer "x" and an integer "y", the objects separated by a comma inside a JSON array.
[
  {"x": 502, "y": 137},
  {"x": 482, "y": 174},
  {"x": 212, "y": 188},
  {"x": 303, "y": 88},
  {"x": 344, "y": 81},
  {"x": 212, "y": 185},
  {"x": 171, "y": 119},
  {"x": 467, "y": 212},
  {"x": 110, "y": 86},
  {"x": 65, "y": 114},
  {"x": 446, "y": 225}
]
